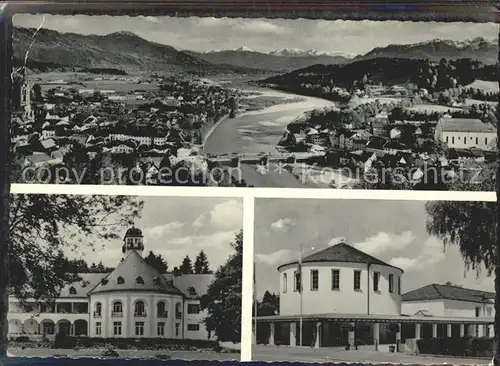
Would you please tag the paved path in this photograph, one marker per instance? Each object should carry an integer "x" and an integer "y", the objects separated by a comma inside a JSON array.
[{"x": 296, "y": 354}]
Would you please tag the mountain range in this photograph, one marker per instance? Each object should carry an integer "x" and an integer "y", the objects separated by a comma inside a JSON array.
[
  {"x": 478, "y": 49},
  {"x": 129, "y": 52},
  {"x": 278, "y": 60},
  {"x": 121, "y": 50}
]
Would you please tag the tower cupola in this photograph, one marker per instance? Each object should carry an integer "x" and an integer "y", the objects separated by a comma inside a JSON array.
[{"x": 133, "y": 240}]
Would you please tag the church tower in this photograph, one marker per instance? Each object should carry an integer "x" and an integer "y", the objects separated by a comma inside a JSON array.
[{"x": 133, "y": 240}]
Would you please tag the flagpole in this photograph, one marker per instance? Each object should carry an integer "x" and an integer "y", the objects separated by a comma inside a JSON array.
[
  {"x": 300, "y": 290},
  {"x": 255, "y": 302}
]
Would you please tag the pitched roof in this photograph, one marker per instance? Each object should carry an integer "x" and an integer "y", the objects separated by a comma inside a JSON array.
[
  {"x": 132, "y": 267},
  {"x": 82, "y": 287},
  {"x": 192, "y": 285},
  {"x": 341, "y": 252},
  {"x": 465, "y": 125},
  {"x": 438, "y": 292},
  {"x": 38, "y": 158}
]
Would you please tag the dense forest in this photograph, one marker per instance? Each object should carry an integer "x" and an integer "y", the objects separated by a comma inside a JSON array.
[{"x": 433, "y": 76}]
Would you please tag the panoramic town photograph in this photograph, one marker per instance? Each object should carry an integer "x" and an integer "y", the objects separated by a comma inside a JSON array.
[
  {"x": 254, "y": 102},
  {"x": 373, "y": 281},
  {"x": 125, "y": 277}
]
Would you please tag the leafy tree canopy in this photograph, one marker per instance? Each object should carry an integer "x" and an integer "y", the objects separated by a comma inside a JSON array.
[
  {"x": 223, "y": 298},
  {"x": 45, "y": 227}
]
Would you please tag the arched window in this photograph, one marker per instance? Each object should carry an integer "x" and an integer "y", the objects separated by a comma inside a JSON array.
[
  {"x": 191, "y": 291},
  {"x": 161, "y": 310},
  {"x": 178, "y": 311},
  {"x": 72, "y": 290},
  {"x": 139, "y": 280},
  {"x": 98, "y": 309},
  {"x": 120, "y": 280},
  {"x": 140, "y": 308},
  {"x": 117, "y": 308}
]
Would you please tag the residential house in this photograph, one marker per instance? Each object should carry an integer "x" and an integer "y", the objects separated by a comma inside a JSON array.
[
  {"x": 393, "y": 147},
  {"x": 466, "y": 156},
  {"x": 376, "y": 145},
  {"x": 39, "y": 159},
  {"x": 363, "y": 160}
]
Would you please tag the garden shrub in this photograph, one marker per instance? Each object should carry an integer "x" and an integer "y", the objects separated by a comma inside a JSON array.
[{"x": 463, "y": 346}]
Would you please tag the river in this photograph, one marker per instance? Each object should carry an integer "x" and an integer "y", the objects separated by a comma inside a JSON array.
[{"x": 260, "y": 131}]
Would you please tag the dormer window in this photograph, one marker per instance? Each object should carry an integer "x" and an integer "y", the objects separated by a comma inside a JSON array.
[
  {"x": 191, "y": 291},
  {"x": 72, "y": 290},
  {"x": 104, "y": 281},
  {"x": 120, "y": 281},
  {"x": 157, "y": 281},
  {"x": 139, "y": 280}
]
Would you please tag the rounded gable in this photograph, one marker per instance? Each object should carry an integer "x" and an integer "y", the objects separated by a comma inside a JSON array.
[{"x": 133, "y": 231}]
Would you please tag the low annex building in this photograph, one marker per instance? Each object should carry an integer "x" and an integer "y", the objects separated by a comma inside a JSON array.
[
  {"x": 345, "y": 297},
  {"x": 133, "y": 301}
]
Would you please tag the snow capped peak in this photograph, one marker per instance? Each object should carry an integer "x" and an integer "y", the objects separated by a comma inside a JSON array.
[
  {"x": 473, "y": 43},
  {"x": 296, "y": 52},
  {"x": 243, "y": 49}
]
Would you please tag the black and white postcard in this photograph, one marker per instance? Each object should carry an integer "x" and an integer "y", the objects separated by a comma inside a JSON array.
[
  {"x": 373, "y": 281},
  {"x": 125, "y": 277},
  {"x": 245, "y": 102}
]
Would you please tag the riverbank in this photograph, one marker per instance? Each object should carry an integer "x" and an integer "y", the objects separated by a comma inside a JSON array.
[
  {"x": 206, "y": 130},
  {"x": 260, "y": 131}
]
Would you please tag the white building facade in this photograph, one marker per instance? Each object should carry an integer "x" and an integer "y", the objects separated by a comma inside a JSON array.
[
  {"x": 452, "y": 301},
  {"x": 133, "y": 301},
  {"x": 462, "y": 133}
]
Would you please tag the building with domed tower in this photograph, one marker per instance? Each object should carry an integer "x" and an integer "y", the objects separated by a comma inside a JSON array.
[{"x": 132, "y": 301}]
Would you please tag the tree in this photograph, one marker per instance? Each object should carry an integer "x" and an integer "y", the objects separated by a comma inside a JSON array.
[
  {"x": 201, "y": 265},
  {"x": 186, "y": 266},
  {"x": 37, "y": 93},
  {"x": 157, "y": 262},
  {"x": 269, "y": 305},
  {"x": 42, "y": 226},
  {"x": 473, "y": 226},
  {"x": 223, "y": 298}
]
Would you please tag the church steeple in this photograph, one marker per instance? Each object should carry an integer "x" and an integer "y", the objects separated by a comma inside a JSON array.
[{"x": 133, "y": 240}]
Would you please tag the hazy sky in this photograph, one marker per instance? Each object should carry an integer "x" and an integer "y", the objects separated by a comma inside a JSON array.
[
  {"x": 393, "y": 231},
  {"x": 179, "y": 226},
  {"x": 204, "y": 34}
]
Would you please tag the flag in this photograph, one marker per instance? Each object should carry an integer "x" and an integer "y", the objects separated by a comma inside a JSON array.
[{"x": 298, "y": 276}]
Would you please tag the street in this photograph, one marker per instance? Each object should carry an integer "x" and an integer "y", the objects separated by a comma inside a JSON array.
[{"x": 305, "y": 354}]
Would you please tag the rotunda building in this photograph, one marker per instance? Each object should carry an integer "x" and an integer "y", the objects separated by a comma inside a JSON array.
[
  {"x": 135, "y": 300},
  {"x": 340, "y": 279}
]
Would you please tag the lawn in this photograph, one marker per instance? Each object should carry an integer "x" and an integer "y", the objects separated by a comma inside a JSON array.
[
  {"x": 470, "y": 102},
  {"x": 487, "y": 86},
  {"x": 429, "y": 108},
  {"x": 74, "y": 79}
]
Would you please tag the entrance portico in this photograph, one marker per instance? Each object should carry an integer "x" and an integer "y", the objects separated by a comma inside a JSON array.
[{"x": 339, "y": 330}]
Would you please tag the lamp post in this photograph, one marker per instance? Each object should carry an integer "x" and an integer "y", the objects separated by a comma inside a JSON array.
[{"x": 300, "y": 293}]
